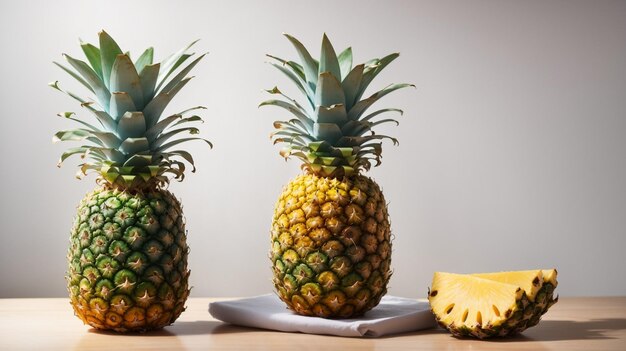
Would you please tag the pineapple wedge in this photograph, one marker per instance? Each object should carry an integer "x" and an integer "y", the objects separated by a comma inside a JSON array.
[{"x": 485, "y": 305}]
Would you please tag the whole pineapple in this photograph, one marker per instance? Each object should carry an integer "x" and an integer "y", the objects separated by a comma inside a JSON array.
[
  {"x": 331, "y": 235},
  {"x": 128, "y": 251}
]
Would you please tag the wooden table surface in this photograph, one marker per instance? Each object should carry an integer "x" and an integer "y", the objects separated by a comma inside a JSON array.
[{"x": 49, "y": 324}]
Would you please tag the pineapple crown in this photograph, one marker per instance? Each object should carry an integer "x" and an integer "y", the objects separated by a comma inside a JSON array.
[
  {"x": 331, "y": 133},
  {"x": 130, "y": 145}
]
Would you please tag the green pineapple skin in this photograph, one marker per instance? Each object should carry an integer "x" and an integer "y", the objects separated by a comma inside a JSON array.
[
  {"x": 543, "y": 301},
  {"x": 128, "y": 260}
]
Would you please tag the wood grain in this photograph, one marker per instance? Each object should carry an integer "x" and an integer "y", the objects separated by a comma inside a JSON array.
[{"x": 49, "y": 324}]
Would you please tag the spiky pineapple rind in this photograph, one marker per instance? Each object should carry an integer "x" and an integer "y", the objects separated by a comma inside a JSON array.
[
  {"x": 331, "y": 246},
  {"x": 128, "y": 260}
]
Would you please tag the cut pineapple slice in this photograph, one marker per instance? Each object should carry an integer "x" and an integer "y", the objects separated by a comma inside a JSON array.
[
  {"x": 491, "y": 304},
  {"x": 468, "y": 305}
]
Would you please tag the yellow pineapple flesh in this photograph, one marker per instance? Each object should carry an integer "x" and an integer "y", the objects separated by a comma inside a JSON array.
[{"x": 531, "y": 281}]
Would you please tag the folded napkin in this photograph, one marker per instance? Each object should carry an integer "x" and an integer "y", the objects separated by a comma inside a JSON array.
[{"x": 393, "y": 315}]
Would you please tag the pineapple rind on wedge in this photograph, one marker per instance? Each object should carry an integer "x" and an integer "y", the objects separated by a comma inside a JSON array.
[
  {"x": 331, "y": 234},
  {"x": 538, "y": 284},
  {"x": 128, "y": 251},
  {"x": 486, "y": 305}
]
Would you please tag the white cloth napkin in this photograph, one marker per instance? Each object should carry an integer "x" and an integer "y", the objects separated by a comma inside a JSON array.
[{"x": 393, "y": 315}]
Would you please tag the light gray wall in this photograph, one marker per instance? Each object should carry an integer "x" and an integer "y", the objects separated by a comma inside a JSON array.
[{"x": 512, "y": 149}]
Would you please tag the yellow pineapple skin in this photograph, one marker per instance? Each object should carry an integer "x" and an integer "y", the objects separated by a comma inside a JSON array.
[{"x": 331, "y": 245}]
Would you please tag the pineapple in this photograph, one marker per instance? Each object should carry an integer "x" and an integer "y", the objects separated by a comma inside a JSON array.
[
  {"x": 491, "y": 304},
  {"x": 330, "y": 234},
  {"x": 128, "y": 251}
]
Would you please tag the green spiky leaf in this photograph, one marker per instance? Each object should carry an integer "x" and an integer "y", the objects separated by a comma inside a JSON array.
[
  {"x": 167, "y": 146},
  {"x": 145, "y": 59},
  {"x": 124, "y": 78},
  {"x": 121, "y": 102},
  {"x": 351, "y": 85},
  {"x": 75, "y": 76},
  {"x": 131, "y": 146},
  {"x": 148, "y": 78},
  {"x": 101, "y": 91},
  {"x": 170, "y": 64},
  {"x": 371, "y": 74},
  {"x": 328, "y": 59},
  {"x": 326, "y": 131},
  {"x": 138, "y": 160},
  {"x": 329, "y": 91},
  {"x": 360, "y": 107},
  {"x": 301, "y": 84},
  {"x": 309, "y": 65},
  {"x": 295, "y": 67},
  {"x": 155, "y": 108},
  {"x": 166, "y": 136},
  {"x": 180, "y": 76},
  {"x": 108, "y": 53},
  {"x": 345, "y": 62},
  {"x": 131, "y": 125},
  {"x": 301, "y": 115},
  {"x": 92, "y": 53},
  {"x": 335, "y": 114}
]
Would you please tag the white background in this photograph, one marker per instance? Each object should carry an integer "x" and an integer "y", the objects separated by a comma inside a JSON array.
[{"x": 512, "y": 148}]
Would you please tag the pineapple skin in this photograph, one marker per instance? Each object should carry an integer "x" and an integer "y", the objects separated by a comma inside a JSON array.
[
  {"x": 543, "y": 301},
  {"x": 128, "y": 260},
  {"x": 331, "y": 246}
]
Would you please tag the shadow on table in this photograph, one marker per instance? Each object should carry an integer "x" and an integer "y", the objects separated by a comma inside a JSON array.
[
  {"x": 411, "y": 333},
  {"x": 226, "y": 328},
  {"x": 204, "y": 327},
  {"x": 178, "y": 328},
  {"x": 548, "y": 330},
  {"x": 554, "y": 330}
]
